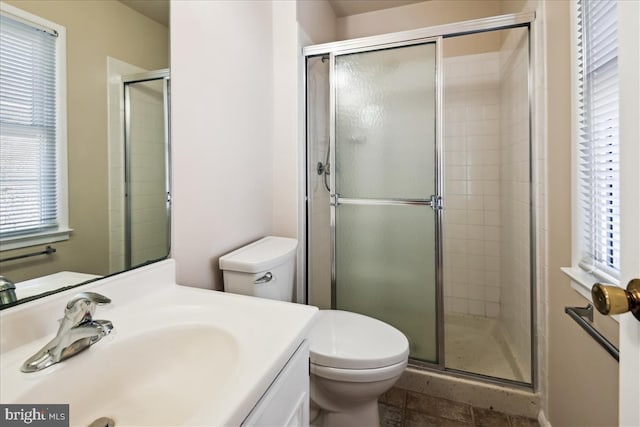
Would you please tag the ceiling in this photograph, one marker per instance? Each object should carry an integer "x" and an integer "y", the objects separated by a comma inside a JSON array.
[
  {"x": 158, "y": 10},
  {"x": 353, "y": 7}
]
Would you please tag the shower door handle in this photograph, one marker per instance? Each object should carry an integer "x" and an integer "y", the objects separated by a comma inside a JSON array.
[{"x": 431, "y": 201}]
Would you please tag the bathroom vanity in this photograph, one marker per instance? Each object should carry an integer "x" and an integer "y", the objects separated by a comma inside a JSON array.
[{"x": 177, "y": 356}]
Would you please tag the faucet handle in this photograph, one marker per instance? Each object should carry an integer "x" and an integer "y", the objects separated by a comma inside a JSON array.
[{"x": 83, "y": 305}]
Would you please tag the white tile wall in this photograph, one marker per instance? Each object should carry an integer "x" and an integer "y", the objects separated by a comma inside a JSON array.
[
  {"x": 487, "y": 195},
  {"x": 472, "y": 216},
  {"x": 150, "y": 231},
  {"x": 515, "y": 315}
]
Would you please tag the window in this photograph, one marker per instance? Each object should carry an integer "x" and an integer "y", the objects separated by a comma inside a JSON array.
[
  {"x": 32, "y": 130},
  {"x": 596, "y": 160}
]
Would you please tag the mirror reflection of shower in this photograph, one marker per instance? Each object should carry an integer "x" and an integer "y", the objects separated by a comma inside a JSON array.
[{"x": 146, "y": 165}]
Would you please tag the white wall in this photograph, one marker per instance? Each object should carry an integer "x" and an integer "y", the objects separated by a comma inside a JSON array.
[
  {"x": 416, "y": 15},
  {"x": 222, "y": 72},
  {"x": 236, "y": 149},
  {"x": 318, "y": 21},
  {"x": 286, "y": 54}
]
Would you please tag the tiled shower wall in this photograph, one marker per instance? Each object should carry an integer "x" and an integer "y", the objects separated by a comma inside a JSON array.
[
  {"x": 149, "y": 223},
  {"x": 515, "y": 314},
  {"x": 472, "y": 214},
  {"x": 487, "y": 194},
  {"x": 150, "y": 235}
]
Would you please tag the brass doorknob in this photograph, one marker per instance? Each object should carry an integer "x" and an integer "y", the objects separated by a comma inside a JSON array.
[{"x": 609, "y": 299}]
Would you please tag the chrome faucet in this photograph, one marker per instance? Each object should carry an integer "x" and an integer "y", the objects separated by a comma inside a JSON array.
[
  {"x": 7, "y": 291},
  {"x": 77, "y": 332}
]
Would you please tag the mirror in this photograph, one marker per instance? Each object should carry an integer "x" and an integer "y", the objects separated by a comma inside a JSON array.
[{"x": 117, "y": 96}]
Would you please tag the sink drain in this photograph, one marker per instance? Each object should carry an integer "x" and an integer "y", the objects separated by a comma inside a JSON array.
[{"x": 103, "y": 422}]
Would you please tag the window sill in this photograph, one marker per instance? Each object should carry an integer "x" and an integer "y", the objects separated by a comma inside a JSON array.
[
  {"x": 35, "y": 239},
  {"x": 581, "y": 282}
]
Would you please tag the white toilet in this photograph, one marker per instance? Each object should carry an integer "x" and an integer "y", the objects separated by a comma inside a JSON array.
[{"x": 354, "y": 358}]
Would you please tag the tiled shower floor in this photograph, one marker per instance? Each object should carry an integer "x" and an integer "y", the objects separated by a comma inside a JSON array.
[{"x": 475, "y": 344}]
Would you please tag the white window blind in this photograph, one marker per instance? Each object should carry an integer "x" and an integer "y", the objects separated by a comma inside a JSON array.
[
  {"x": 28, "y": 170},
  {"x": 598, "y": 113}
]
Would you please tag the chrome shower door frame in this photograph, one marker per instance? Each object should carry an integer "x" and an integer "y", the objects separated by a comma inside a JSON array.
[
  {"x": 163, "y": 75},
  {"x": 433, "y": 202},
  {"x": 406, "y": 38}
]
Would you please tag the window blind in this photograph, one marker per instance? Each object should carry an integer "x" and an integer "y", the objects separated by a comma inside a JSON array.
[
  {"x": 598, "y": 113},
  {"x": 28, "y": 172}
]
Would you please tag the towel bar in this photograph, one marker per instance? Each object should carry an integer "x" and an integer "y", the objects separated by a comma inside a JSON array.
[
  {"x": 578, "y": 314},
  {"x": 48, "y": 251}
]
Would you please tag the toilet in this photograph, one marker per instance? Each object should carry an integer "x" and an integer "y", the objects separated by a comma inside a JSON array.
[{"x": 353, "y": 358}]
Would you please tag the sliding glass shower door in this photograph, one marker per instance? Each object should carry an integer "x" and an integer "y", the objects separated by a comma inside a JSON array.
[{"x": 385, "y": 187}]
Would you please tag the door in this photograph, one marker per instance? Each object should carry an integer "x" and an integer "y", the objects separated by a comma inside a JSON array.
[
  {"x": 629, "y": 64},
  {"x": 385, "y": 246}
]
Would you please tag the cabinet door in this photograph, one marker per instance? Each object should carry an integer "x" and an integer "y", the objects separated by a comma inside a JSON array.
[{"x": 286, "y": 401}]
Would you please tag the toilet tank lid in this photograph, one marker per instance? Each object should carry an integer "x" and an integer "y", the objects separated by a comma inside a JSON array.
[{"x": 260, "y": 255}]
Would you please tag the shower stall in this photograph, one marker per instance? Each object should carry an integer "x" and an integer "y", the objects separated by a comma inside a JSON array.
[
  {"x": 139, "y": 180},
  {"x": 146, "y": 167},
  {"x": 419, "y": 191}
]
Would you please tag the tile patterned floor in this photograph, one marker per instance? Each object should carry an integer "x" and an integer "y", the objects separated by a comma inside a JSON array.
[{"x": 402, "y": 408}]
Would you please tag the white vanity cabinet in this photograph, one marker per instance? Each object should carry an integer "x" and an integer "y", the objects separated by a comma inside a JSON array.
[{"x": 286, "y": 401}]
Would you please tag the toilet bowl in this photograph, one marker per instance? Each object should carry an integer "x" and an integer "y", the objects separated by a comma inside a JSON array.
[{"x": 353, "y": 358}]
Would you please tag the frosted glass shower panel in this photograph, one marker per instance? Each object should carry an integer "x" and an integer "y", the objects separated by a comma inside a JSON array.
[
  {"x": 386, "y": 269},
  {"x": 318, "y": 212},
  {"x": 385, "y": 123}
]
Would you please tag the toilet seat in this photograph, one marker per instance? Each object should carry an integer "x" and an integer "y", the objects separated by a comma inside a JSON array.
[
  {"x": 358, "y": 375},
  {"x": 346, "y": 341}
]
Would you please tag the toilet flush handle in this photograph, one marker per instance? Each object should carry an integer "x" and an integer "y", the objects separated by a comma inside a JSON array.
[{"x": 264, "y": 279}]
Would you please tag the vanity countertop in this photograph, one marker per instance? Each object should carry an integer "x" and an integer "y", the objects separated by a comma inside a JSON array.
[
  {"x": 50, "y": 282},
  {"x": 179, "y": 355}
]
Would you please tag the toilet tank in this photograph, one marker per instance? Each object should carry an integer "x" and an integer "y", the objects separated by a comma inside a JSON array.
[{"x": 264, "y": 268}]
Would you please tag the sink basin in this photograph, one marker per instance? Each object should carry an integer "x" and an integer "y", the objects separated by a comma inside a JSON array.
[
  {"x": 158, "y": 377},
  {"x": 177, "y": 355}
]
